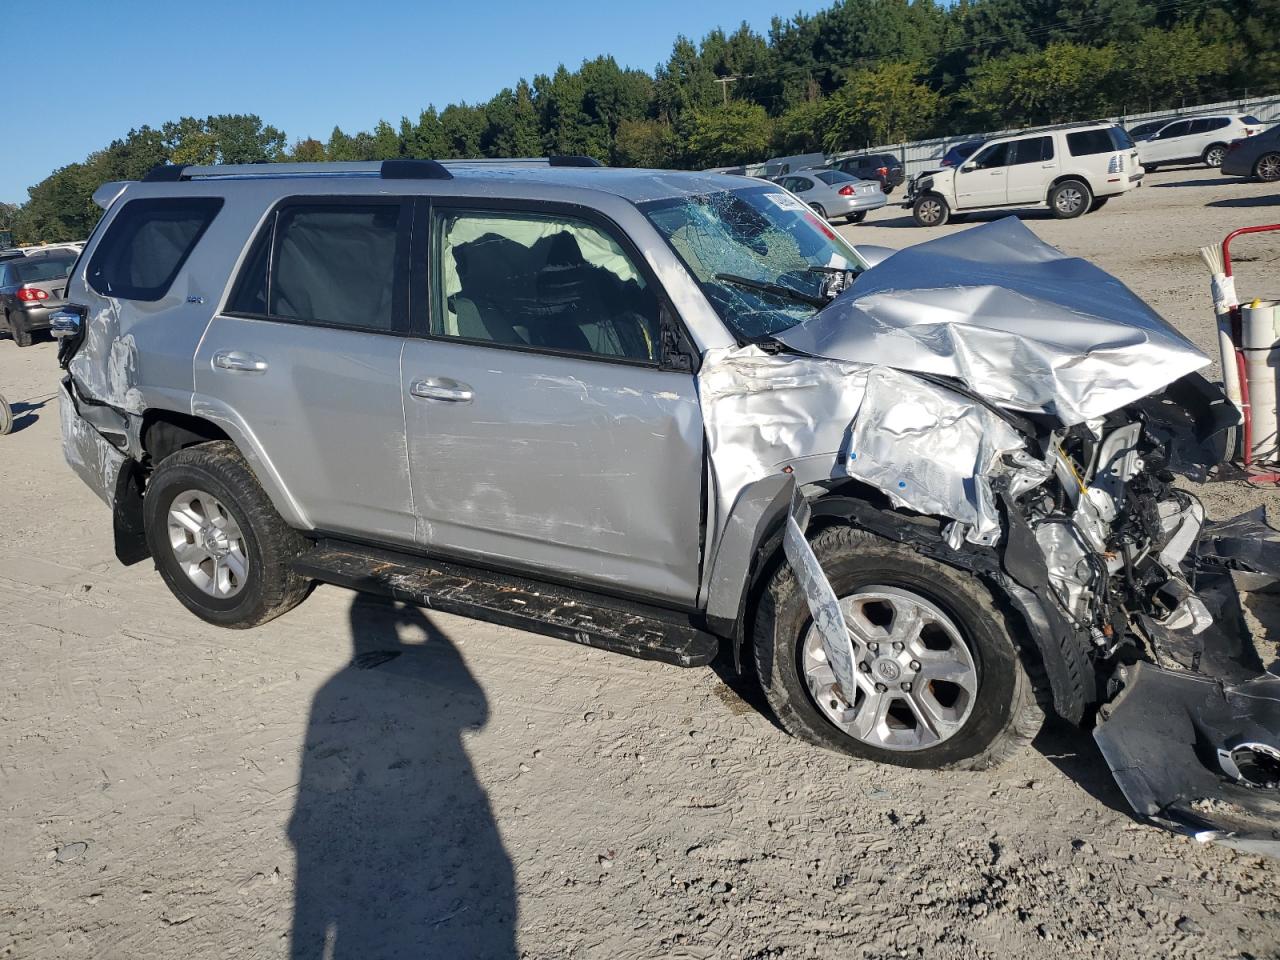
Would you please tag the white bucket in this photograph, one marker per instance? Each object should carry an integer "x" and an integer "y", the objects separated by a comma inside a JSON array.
[{"x": 1261, "y": 342}]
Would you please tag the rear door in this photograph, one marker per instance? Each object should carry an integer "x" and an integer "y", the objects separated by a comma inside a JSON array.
[
  {"x": 307, "y": 355},
  {"x": 548, "y": 431},
  {"x": 1032, "y": 166},
  {"x": 983, "y": 180}
]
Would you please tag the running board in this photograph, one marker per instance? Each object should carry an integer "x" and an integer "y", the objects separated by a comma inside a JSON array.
[{"x": 637, "y": 630}]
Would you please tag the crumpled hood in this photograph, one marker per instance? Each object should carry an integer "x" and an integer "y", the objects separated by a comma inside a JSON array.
[{"x": 1015, "y": 319}]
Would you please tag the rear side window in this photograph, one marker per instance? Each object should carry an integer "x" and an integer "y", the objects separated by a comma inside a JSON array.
[
  {"x": 147, "y": 244},
  {"x": 331, "y": 264},
  {"x": 1032, "y": 150},
  {"x": 1121, "y": 139},
  {"x": 1084, "y": 143}
]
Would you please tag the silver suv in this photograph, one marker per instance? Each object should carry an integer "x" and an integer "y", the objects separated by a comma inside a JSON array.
[{"x": 659, "y": 413}]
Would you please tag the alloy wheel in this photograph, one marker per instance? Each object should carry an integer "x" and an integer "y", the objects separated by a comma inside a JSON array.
[
  {"x": 208, "y": 544},
  {"x": 917, "y": 681},
  {"x": 1068, "y": 200},
  {"x": 1269, "y": 167}
]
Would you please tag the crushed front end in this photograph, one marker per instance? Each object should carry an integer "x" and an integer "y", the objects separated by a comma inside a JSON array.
[{"x": 1043, "y": 416}]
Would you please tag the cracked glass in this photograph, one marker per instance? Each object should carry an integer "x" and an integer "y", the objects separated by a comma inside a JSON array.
[{"x": 765, "y": 261}]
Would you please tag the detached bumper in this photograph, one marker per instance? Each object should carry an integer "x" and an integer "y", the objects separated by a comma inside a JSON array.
[{"x": 1194, "y": 739}]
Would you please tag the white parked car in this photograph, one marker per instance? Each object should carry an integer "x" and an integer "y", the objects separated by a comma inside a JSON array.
[
  {"x": 1196, "y": 139},
  {"x": 1070, "y": 170}
]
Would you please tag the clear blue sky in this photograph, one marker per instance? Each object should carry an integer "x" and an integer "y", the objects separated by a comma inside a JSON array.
[{"x": 93, "y": 69}]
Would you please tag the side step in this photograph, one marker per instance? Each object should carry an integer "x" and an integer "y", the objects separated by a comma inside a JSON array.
[{"x": 635, "y": 629}]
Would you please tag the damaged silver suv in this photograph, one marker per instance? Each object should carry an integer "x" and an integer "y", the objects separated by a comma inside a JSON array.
[{"x": 658, "y": 413}]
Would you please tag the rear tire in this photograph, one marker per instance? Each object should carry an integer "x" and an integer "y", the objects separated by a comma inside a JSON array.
[
  {"x": 930, "y": 211},
  {"x": 21, "y": 335},
  {"x": 1069, "y": 199},
  {"x": 819, "y": 210},
  {"x": 1003, "y": 715},
  {"x": 1267, "y": 169},
  {"x": 191, "y": 496},
  {"x": 1214, "y": 154},
  {"x": 857, "y": 217}
]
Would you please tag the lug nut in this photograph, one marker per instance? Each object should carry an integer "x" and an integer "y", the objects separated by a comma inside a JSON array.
[
  {"x": 881, "y": 688},
  {"x": 906, "y": 688},
  {"x": 915, "y": 665},
  {"x": 873, "y": 647},
  {"x": 897, "y": 647},
  {"x": 864, "y": 667}
]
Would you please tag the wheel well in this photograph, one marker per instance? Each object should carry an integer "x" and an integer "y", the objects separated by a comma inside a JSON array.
[
  {"x": 1064, "y": 178},
  {"x": 1216, "y": 143},
  {"x": 165, "y": 432}
]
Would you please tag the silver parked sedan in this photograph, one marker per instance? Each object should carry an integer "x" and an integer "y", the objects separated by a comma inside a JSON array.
[{"x": 834, "y": 194}]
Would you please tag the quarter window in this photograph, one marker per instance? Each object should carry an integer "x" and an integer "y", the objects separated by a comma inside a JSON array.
[
  {"x": 1084, "y": 143},
  {"x": 542, "y": 282},
  {"x": 146, "y": 245}
]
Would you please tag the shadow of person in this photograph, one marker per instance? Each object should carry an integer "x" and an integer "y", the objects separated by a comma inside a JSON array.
[{"x": 398, "y": 853}]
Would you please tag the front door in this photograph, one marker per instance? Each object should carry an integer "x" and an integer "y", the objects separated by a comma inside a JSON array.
[
  {"x": 546, "y": 432},
  {"x": 983, "y": 180},
  {"x": 307, "y": 357},
  {"x": 1169, "y": 144}
]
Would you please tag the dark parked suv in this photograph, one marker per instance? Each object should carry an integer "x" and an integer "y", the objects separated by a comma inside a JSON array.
[{"x": 883, "y": 167}]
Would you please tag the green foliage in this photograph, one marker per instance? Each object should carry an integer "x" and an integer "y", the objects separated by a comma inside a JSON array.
[
  {"x": 887, "y": 104},
  {"x": 857, "y": 73},
  {"x": 1062, "y": 82},
  {"x": 733, "y": 134}
]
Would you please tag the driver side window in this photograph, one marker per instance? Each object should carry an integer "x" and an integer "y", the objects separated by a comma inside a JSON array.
[
  {"x": 996, "y": 155},
  {"x": 541, "y": 282}
]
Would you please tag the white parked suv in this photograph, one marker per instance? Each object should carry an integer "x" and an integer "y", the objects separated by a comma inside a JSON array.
[
  {"x": 1071, "y": 170},
  {"x": 1196, "y": 139}
]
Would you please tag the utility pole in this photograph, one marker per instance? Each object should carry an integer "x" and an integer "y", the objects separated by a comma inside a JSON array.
[{"x": 725, "y": 81}]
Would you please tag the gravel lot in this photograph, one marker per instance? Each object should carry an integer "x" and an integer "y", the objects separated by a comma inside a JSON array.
[{"x": 413, "y": 784}]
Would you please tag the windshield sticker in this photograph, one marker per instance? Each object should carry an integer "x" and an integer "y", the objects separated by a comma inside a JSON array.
[{"x": 785, "y": 201}]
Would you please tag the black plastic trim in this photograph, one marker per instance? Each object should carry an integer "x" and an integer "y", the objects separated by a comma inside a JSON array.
[
  {"x": 165, "y": 173},
  {"x": 574, "y": 160},
  {"x": 414, "y": 170}
]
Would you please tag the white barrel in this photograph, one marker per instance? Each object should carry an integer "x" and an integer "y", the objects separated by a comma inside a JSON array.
[{"x": 1261, "y": 354}]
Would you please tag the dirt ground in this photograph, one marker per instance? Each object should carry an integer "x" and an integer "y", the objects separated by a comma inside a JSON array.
[{"x": 381, "y": 781}]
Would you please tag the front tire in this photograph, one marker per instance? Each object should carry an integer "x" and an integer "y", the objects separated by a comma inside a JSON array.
[
  {"x": 819, "y": 210},
  {"x": 923, "y": 720},
  {"x": 6, "y": 417},
  {"x": 856, "y": 217},
  {"x": 1069, "y": 199},
  {"x": 1214, "y": 154},
  {"x": 1267, "y": 169},
  {"x": 930, "y": 211},
  {"x": 219, "y": 544}
]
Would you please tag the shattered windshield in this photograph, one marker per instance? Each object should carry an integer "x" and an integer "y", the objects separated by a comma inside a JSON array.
[{"x": 764, "y": 259}]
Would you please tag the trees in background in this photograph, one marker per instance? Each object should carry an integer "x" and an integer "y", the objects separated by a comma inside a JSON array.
[{"x": 858, "y": 73}]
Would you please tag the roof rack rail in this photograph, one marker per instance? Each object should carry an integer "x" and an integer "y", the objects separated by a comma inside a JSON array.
[
  {"x": 573, "y": 160},
  {"x": 402, "y": 169}
]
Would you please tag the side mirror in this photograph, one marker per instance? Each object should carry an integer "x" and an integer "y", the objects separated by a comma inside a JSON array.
[{"x": 65, "y": 323}]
